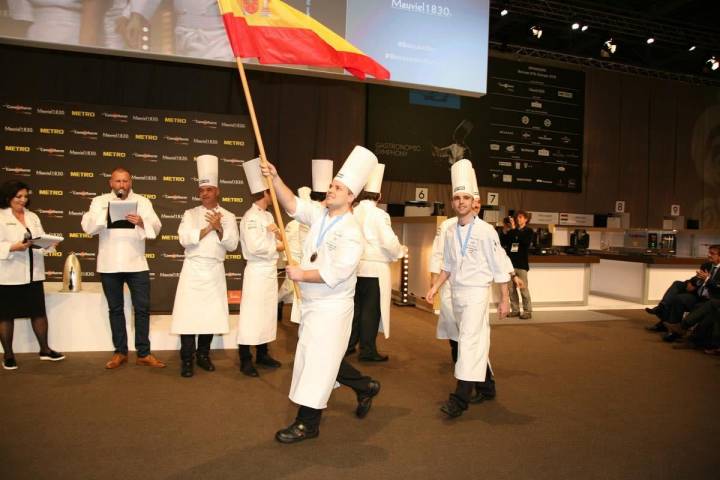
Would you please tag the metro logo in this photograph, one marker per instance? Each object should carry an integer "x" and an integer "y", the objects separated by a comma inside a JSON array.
[
  {"x": 233, "y": 257},
  {"x": 142, "y": 136},
  {"x": 79, "y": 235},
  {"x": 175, "y": 120},
  {"x": 170, "y": 237},
  {"x": 51, "y": 193},
  {"x": 82, "y": 113},
  {"x": 16, "y": 148},
  {"x": 82, "y": 174},
  {"x": 232, "y": 199},
  {"x": 149, "y": 196},
  {"x": 52, "y": 131},
  {"x": 150, "y": 255},
  {"x": 53, "y": 254},
  {"x": 235, "y": 143},
  {"x": 114, "y": 154},
  {"x": 173, "y": 179}
]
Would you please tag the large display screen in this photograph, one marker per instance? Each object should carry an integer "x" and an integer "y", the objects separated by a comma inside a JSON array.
[{"x": 439, "y": 45}]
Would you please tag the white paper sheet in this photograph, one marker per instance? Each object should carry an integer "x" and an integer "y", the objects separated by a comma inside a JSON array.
[{"x": 119, "y": 210}]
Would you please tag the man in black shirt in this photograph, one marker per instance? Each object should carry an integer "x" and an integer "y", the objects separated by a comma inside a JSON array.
[{"x": 518, "y": 243}]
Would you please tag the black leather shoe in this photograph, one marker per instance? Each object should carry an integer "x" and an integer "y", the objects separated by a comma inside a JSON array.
[
  {"x": 657, "y": 328},
  {"x": 365, "y": 399},
  {"x": 652, "y": 311},
  {"x": 452, "y": 408},
  {"x": 671, "y": 337},
  {"x": 482, "y": 393},
  {"x": 204, "y": 362},
  {"x": 247, "y": 368},
  {"x": 297, "y": 432},
  {"x": 267, "y": 361},
  {"x": 376, "y": 357},
  {"x": 186, "y": 370}
]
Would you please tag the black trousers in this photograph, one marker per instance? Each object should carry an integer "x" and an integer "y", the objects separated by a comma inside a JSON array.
[
  {"x": 353, "y": 378},
  {"x": 366, "y": 318},
  {"x": 245, "y": 353},
  {"x": 188, "y": 348}
]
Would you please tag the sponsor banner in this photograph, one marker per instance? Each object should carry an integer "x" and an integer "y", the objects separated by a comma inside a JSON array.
[{"x": 66, "y": 153}]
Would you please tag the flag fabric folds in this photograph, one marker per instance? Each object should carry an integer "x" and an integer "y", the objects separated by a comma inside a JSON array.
[{"x": 275, "y": 33}]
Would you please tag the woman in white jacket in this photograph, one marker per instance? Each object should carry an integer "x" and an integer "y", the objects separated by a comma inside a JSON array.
[{"x": 22, "y": 272}]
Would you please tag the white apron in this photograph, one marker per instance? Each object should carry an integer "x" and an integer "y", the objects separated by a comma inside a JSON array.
[
  {"x": 323, "y": 339},
  {"x": 447, "y": 326},
  {"x": 258, "y": 306},
  {"x": 471, "y": 309},
  {"x": 385, "y": 298},
  {"x": 201, "y": 304}
]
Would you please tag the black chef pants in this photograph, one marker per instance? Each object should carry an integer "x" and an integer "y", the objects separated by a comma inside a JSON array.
[
  {"x": 188, "y": 348},
  {"x": 366, "y": 318},
  {"x": 353, "y": 378}
]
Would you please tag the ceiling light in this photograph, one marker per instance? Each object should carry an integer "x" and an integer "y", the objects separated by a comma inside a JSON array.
[
  {"x": 650, "y": 41},
  {"x": 536, "y": 31},
  {"x": 584, "y": 28},
  {"x": 503, "y": 12},
  {"x": 691, "y": 48},
  {"x": 575, "y": 26},
  {"x": 713, "y": 63}
]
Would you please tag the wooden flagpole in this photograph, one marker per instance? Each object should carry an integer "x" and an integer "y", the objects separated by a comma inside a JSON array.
[{"x": 263, "y": 161}]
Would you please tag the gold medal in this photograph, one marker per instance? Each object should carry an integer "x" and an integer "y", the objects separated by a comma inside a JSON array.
[{"x": 313, "y": 257}]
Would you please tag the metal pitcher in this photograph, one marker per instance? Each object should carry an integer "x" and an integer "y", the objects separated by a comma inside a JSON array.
[{"x": 72, "y": 275}]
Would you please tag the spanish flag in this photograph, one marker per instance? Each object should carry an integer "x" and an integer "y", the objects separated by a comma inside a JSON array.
[{"x": 275, "y": 33}]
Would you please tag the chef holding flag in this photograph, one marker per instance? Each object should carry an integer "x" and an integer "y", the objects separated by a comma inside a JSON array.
[
  {"x": 257, "y": 324},
  {"x": 327, "y": 277},
  {"x": 472, "y": 260},
  {"x": 373, "y": 290},
  {"x": 207, "y": 232}
]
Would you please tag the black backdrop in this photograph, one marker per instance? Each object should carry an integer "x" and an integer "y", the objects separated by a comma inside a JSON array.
[{"x": 301, "y": 118}]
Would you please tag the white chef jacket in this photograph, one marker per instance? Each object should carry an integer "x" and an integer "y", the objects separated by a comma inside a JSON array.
[
  {"x": 484, "y": 261},
  {"x": 56, "y": 21},
  {"x": 258, "y": 243},
  {"x": 15, "y": 266},
  {"x": 438, "y": 246},
  {"x": 210, "y": 246},
  {"x": 121, "y": 249},
  {"x": 337, "y": 256},
  {"x": 296, "y": 233},
  {"x": 381, "y": 244}
]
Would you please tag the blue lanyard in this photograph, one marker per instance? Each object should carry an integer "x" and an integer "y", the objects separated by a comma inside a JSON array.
[
  {"x": 463, "y": 245},
  {"x": 324, "y": 230}
]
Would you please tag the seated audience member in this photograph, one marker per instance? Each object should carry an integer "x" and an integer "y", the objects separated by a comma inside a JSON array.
[{"x": 682, "y": 297}]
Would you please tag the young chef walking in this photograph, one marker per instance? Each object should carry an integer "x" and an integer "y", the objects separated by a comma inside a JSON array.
[{"x": 327, "y": 277}]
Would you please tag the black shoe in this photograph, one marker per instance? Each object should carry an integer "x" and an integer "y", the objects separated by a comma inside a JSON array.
[
  {"x": 204, "y": 362},
  {"x": 653, "y": 311},
  {"x": 247, "y": 368},
  {"x": 483, "y": 393},
  {"x": 350, "y": 351},
  {"x": 671, "y": 337},
  {"x": 297, "y": 432},
  {"x": 657, "y": 328},
  {"x": 365, "y": 399},
  {"x": 375, "y": 357},
  {"x": 10, "y": 364},
  {"x": 52, "y": 355},
  {"x": 267, "y": 361},
  {"x": 186, "y": 370},
  {"x": 452, "y": 407}
]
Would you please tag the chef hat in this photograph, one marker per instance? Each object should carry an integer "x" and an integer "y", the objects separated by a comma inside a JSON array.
[
  {"x": 357, "y": 168},
  {"x": 322, "y": 174},
  {"x": 304, "y": 193},
  {"x": 207, "y": 168},
  {"x": 256, "y": 181},
  {"x": 475, "y": 189},
  {"x": 462, "y": 176},
  {"x": 374, "y": 183}
]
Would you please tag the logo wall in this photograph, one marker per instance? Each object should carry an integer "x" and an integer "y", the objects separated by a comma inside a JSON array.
[{"x": 65, "y": 152}]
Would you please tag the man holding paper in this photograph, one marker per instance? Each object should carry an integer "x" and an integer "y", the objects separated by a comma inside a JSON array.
[{"x": 123, "y": 220}]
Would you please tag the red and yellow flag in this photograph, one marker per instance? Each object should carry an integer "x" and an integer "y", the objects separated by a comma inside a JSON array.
[{"x": 275, "y": 33}]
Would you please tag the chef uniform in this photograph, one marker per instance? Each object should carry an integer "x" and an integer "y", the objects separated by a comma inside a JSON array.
[
  {"x": 447, "y": 326},
  {"x": 334, "y": 247},
  {"x": 373, "y": 290},
  {"x": 201, "y": 305},
  {"x": 473, "y": 257},
  {"x": 295, "y": 232},
  {"x": 257, "y": 324},
  {"x": 121, "y": 259}
]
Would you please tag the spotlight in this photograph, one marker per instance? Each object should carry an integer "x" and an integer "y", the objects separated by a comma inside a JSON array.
[
  {"x": 583, "y": 28},
  {"x": 575, "y": 26},
  {"x": 650, "y": 41},
  {"x": 536, "y": 31},
  {"x": 503, "y": 12},
  {"x": 691, "y": 49},
  {"x": 713, "y": 63},
  {"x": 609, "y": 47}
]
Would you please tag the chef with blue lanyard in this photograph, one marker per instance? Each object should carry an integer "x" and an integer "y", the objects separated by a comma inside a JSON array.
[{"x": 472, "y": 260}]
